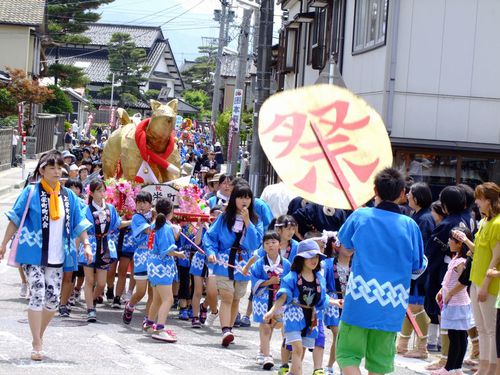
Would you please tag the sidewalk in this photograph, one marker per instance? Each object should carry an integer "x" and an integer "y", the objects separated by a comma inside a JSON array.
[{"x": 12, "y": 178}]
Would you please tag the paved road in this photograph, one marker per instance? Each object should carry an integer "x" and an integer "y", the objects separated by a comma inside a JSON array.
[{"x": 109, "y": 347}]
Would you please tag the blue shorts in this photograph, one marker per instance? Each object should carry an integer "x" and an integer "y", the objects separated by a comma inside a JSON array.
[{"x": 293, "y": 336}]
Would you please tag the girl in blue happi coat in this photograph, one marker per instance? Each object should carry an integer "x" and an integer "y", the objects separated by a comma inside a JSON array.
[
  {"x": 162, "y": 270},
  {"x": 140, "y": 228},
  {"x": 105, "y": 219},
  {"x": 230, "y": 241},
  {"x": 203, "y": 272},
  {"x": 302, "y": 292},
  {"x": 266, "y": 275}
]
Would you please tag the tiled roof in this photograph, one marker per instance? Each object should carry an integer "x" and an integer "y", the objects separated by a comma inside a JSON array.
[
  {"x": 22, "y": 12},
  {"x": 101, "y": 33},
  {"x": 139, "y": 105},
  {"x": 96, "y": 68},
  {"x": 229, "y": 66},
  {"x": 155, "y": 54}
]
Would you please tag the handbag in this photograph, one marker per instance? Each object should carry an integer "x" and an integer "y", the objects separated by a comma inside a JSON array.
[{"x": 15, "y": 242}]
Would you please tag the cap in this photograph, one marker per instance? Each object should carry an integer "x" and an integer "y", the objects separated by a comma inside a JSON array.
[
  {"x": 67, "y": 154},
  {"x": 308, "y": 249},
  {"x": 82, "y": 167},
  {"x": 73, "y": 167}
]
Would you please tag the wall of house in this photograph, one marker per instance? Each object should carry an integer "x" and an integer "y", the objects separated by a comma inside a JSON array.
[
  {"x": 364, "y": 74},
  {"x": 447, "y": 81},
  {"x": 16, "y": 47}
]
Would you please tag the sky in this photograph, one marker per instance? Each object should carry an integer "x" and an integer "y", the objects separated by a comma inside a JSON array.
[{"x": 184, "y": 22}]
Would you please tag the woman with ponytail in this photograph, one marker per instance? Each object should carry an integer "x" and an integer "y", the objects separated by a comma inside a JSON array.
[
  {"x": 162, "y": 271},
  {"x": 52, "y": 217}
]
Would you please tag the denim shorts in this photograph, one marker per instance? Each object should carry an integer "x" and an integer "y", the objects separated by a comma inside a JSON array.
[{"x": 307, "y": 342}]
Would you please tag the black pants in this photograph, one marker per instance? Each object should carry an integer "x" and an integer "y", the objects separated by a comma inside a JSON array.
[
  {"x": 498, "y": 333},
  {"x": 185, "y": 290},
  {"x": 458, "y": 347}
]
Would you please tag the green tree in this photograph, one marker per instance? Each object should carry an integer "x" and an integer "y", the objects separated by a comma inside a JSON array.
[
  {"x": 198, "y": 98},
  {"x": 7, "y": 103},
  {"x": 66, "y": 21},
  {"x": 199, "y": 75},
  {"x": 128, "y": 63},
  {"x": 152, "y": 94},
  {"x": 59, "y": 104},
  {"x": 222, "y": 127},
  {"x": 69, "y": 75}
]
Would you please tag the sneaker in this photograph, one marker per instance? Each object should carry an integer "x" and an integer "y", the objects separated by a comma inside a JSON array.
[
  {"x": 163, "y": 335},
  {"x": 211, "y": 318},
  {"x": 23, "y": 293},
  {"x": 245, "y": 322},
  {"x": 91, "y": 316},
  {"x": 190, "y": 312},
  {"x": 283, "y": 370},
  {"x": 203, "y": 314},
  {"x": 227, "y": 338},
  {"x": 319, "y": 371},
  {"x": 126, "y": 296},
  {"x": 116, "y": 303},
  {"x": 259, "y": 358},
  {"x": 434, "y": 348},
  {"x": 237, "y": 321},
  {"x": 195, "y": 323},
  {"x": 268, "y": 363},
  {"x": 110, "y": 295},
  {"x": 183, "y": 314},
  {"x": 328, "y": 371},
  {"x": 175, "y": 304},
  {"x": 99, "y": 300},
  {"x": 63, "y": 311},
  {"x": 127, "y": 314}
]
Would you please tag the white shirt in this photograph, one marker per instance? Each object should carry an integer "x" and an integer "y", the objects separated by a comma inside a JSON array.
[
  {"x": 74, "y": 127},
  {"x": 56, "y": 234},
  {"x": 14, "y": 140},
  {"x": 278, "y": 197}
]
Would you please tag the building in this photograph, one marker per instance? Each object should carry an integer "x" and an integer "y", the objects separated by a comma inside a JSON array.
[
  {"x": 164, "y": 75},
  {"x": 21, "y": 22},
  {"x": 229, "y": 70},
  {"x": 429, "y": 67}
]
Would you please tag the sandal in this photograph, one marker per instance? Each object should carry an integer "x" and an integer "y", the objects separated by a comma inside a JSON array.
[{"x": 36, "y": 355}]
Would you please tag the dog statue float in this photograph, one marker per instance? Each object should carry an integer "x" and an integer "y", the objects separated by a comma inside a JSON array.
[{"x": 145, "y": 152}]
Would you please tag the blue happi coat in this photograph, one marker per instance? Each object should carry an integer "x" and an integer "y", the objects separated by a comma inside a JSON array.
[
  {"x": 162, "y": 269},
  {"x": 290, "y": 256},
  {"x": 138, "y": 228},
  {"x": 29, "y": 249},
  {"x": 114, "y": 225},
  {"x": 331, "y": 314},
  {"x": 293, "y": 318},
  {"x": 199, "y": 261},
  {"x": 219, "y": 239},
  {"x": 260, "y": 301}
]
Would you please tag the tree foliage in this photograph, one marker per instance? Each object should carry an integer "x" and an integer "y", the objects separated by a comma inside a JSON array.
[
  {"x": 69, "y": 75},
  {"x": 7, "y": 103},
  {"x": 198, "y": 98},
  {"x": 199, "y": 75},
  {"x": 128, "y": 63},
  {"x": 59, "y": 104}
]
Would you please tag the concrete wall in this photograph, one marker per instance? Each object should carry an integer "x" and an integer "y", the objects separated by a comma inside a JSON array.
[
  {"x": 6, "y": 148},
  {"x": 17, "y": 47}
]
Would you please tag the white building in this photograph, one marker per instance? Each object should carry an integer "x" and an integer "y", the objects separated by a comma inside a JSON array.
[{"x": 431, "y": 68}]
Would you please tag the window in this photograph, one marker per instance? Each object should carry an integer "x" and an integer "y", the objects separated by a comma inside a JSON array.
[
  {"x": 290, "y": 49},
  {"x": 317, "y": 51},
  {"x": 370, "y": 25}
]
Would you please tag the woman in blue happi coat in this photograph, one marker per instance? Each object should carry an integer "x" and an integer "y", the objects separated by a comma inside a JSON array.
[
  {"x": 105, "y": 219},
  {"x": 303, "y": 293},
  {"x": 53, "y": 218},
  {"x": 231, "y": 241}
]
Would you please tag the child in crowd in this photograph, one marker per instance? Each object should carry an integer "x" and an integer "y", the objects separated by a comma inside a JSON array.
[
  {"x": 267, "y": 273},
  {"x": 183, "y": 267},
  {"x": 456, "y": 312},
  {"x": 162, "y": 271},
  {"x": 141, "y": 222},
  {"x": 105, "y": 219},
  {"x": 303, "y": 292}
]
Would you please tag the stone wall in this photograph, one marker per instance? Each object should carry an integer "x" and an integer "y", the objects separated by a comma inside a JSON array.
[{"x": 5, "y": 148}]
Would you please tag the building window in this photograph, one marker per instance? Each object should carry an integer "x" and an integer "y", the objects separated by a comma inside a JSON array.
[
  {"x": 317, "y": 46},
  {"x": 290, "y": 50},
  {"x": 370, "y": 25}
]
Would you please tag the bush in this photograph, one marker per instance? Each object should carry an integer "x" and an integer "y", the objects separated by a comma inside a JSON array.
[
  {"x": 60, "y": 104},
  {"x": 9, "y": 121}
]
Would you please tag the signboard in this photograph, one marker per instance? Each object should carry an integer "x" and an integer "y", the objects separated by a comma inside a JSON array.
[
  {"x": 237, "y": 103},
  {"x": 178, "y": 121},
  {"x": 168, "y": 190}
]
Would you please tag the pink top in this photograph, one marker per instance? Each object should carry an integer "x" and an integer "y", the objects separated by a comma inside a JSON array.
[{"x": 451, "y": 279}]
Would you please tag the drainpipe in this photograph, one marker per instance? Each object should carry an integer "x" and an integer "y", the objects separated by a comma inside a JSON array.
[{"x": 392, "y": 67}]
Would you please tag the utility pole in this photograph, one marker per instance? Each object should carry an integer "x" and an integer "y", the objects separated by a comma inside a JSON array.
[
  {"x": 258, "y": 165},
  {"x": 222, "y": 42},
  {"x": 239, "y": 89}
]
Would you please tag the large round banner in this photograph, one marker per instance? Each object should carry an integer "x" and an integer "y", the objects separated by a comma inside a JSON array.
[{"x": 325, "y": 143}]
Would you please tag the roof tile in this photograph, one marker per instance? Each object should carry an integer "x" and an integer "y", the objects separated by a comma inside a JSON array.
[{"x": 22, "y": 12}]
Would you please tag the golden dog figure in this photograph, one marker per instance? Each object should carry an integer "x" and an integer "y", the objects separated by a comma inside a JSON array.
[{"x": 151, "y": 141}]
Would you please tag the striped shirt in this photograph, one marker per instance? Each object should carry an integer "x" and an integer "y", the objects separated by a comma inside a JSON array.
[{"x": 450, "y": 280}]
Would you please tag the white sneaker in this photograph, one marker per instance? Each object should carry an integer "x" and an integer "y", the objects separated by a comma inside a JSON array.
[
  {"x": 268, "y": 363},
  {"x": 328, "y": 370},
  {"x": 164, "y": 336},
  {"x": 259, "y": 358},
  {"x": 24, "y": 291},
  {"x": 211, "y": 319}
]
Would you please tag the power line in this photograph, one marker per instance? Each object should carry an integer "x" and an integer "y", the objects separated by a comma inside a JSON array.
[{"x": 137, "y": 36}]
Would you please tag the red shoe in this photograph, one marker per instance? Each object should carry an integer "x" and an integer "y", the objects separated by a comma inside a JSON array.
[{"x": 227, "y": 338}]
